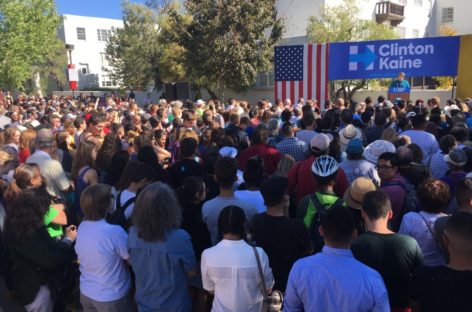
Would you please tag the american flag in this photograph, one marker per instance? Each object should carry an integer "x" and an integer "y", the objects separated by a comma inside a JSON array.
[{"x": 302, "y": 71}]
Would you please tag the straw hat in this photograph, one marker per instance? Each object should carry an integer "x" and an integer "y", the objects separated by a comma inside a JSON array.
[{"x": 355, "y": 193}]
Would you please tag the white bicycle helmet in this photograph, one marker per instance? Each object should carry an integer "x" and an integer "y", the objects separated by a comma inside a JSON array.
[{"x": 324, "y": 166}]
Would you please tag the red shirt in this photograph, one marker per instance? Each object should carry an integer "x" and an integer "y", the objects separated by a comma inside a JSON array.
[
  {"x": 24, "y": 154},
  {"x": 270, "y": 155},
  {"x": 301, "y": 181}
]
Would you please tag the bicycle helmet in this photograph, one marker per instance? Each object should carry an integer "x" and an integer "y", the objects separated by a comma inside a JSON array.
[{"x": 324, "y": 166}]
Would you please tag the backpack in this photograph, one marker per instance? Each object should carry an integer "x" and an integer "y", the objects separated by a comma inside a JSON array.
[
  {"x": 118, "y": 216},
  {"x": 411, "y": 203},
  {"x": 321, "y": 209}
]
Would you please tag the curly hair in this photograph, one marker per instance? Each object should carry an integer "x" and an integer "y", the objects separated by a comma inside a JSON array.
[
  {"x": 110, "y": 146},
  {"x": 156, "y": 212},
  {"x": 27, "y": 217}
]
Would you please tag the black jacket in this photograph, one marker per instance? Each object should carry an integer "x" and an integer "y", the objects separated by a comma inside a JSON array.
[{"x": 30, "y": 260}]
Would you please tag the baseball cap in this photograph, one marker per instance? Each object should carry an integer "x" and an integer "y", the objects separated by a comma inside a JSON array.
[
  {"x": 355, "y": 146},
  {"x": 320, "y": 141}
]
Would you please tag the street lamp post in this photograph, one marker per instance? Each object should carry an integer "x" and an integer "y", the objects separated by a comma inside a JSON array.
[{"x": 71, "y": 70}]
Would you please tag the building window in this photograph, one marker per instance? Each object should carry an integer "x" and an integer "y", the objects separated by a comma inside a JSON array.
[
  {"x": 81, "y": 33},
  {"x": 419, "y": 3},
  {"x": 103, "y": 34},
  {"x": 84, "y": 68},
  {"x": 401, "y": 31},
  {"x": 266, "y": 79},
  {"x": 415, "y": 33},
  {"x": 447, "y": 15},
  {"x": 106, "y": 82},
  {"x": 103, "y": 59}
]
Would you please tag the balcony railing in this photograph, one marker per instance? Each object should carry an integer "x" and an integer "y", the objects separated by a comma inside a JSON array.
[{"x": 389, "y": 11}]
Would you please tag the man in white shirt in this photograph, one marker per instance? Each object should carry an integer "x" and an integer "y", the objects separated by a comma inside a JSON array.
[{"x": 56, "y": 179}]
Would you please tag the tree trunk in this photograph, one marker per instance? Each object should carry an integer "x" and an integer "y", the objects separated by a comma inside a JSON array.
[{"x": 357, "y": 87}]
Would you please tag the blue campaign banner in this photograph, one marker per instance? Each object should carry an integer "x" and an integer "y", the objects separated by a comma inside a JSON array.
[{"x": 437, "y": 56}]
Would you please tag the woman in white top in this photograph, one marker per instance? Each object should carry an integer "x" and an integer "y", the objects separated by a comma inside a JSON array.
[
  {"x": 229, "y": 269},
  {"x": 102, "y": 251},
  {"x": 434, "y": 197}
]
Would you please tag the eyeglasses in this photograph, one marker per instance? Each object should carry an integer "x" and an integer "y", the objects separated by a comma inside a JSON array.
[{"x": 383, "y": 167}]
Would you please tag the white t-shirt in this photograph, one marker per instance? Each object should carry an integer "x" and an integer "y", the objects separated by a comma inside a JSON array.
[
  {"x": 101, "y": 249},
  {"x": 254, "y": 197},
  {"x": 230, "y": 270},
  {"x": 125, "y": 195}
]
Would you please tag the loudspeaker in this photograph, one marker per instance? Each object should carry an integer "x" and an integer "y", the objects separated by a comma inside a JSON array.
[
  {"x": 169, "y": 91},
  {"x": 182, "y": 90}
]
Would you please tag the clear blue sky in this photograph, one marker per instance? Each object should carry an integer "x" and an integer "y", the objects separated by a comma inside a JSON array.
[{"x": 96, "y": 8}]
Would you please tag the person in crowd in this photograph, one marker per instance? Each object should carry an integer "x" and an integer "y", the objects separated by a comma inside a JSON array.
[
  {"x": 187, "y": 165},
  {"x": 308, "y": 131},
  {"x": 230, "y": 269},
  {"x": 394, "y": 256},
  {"x": 353, "y": 198},
  {"x": 136, "y": 175},
  {"x": 111, "y": 145},
  {"x": 241, "y": 139},
  {"x": 333, "y": 279},
  {"x": 291, "y": 145},
  {"x": 300, "y": 178},
  {"x": 33, "y": 255},
  {"x": 259, "y": 146},
  {"x": 253, "y": 177},
  {"x": 312, "y": 206},
  {"x": 347, "y": 134},
  {"x": 411, "y": 168},
  {"x": 26, "y": 144},
  {"x": 83, "y": 174},
  {"x": 160, "y": 141},
  {"x": 283, "y": 239},
  {"x": 117, "y": 164},
  {"x": 436, "y": 162},
  {"x": 225, "y": 175},
  {"x": 355, "y": 165},
  {"x": 445, "y": 287},
  {"x": 57, "y": 181},
  {"x": 28, "y": 177},
  {"x": 394, "y": 186},
  {"x": 148, "y": 156},
  {"x": 428, "y": 143},
  {"x": 284, "y": 166},
  {"x": 12, "y": 141},
  {"x": 434, "y": 197},
  {"x": 456, "y": 160},
  {"x": 102, "y": 251},
  {"x": 380, "y": 123},
  {"x": 161, "y": 254}
]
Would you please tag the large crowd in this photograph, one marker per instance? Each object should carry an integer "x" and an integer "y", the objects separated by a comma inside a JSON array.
[{"x": 197, "y": 206}]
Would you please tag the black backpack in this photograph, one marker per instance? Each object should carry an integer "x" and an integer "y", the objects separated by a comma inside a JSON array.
[
  {"x": 316, "y": 238},
  {"x": 118, "y": 216}
]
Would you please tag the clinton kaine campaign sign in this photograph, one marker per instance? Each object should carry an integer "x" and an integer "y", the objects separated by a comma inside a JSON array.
[{"x": 386, "y": 58}]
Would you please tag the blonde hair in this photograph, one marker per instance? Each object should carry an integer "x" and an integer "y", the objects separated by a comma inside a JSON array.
[
  {"x": 285, "y": 164},
  {"x": 389, "y": 134}
]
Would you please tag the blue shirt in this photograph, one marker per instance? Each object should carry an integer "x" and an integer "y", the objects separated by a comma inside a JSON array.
[
  {"x": 334, "y": 281},
  {"x": 293, "y": 147},
  {"x": 161, "y": 271}
]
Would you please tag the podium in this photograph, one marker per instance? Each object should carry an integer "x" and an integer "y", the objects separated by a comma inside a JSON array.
[{"x": 396, "y": 92}]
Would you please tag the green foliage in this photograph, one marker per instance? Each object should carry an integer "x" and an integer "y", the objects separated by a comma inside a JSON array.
[
  {"x": 28, "y": 33},
  {"x": 225, "y": 43},
  {"x": 141, "y": 53},
  {"x": 341, "y": 23}
]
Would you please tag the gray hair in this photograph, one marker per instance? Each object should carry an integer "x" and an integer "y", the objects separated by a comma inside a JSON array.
[{"x": 156, "y": 212}]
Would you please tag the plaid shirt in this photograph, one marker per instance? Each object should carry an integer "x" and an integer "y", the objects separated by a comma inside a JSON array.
[{"x": 293, "y": 147}]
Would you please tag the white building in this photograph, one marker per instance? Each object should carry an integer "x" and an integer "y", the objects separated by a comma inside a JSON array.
[{"x": 88, "y": 35}]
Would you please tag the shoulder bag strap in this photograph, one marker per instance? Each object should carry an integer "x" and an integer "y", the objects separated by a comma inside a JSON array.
[
  {"x": 118, "y": 201},
  {"x": 430, "y": 230},
  {"x": 259, "y": 267}
]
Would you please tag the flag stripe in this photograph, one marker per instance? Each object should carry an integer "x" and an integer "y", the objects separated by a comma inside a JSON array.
[
  {"x": 310, "y": 71},
  {"x": 302, "y": 72}
]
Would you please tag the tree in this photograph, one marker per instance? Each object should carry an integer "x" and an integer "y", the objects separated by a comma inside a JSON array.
[
  {"x": 28, "y": 33},
  {"x": 226, "y": 43},
  {"x": 341, "y": 23}
]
